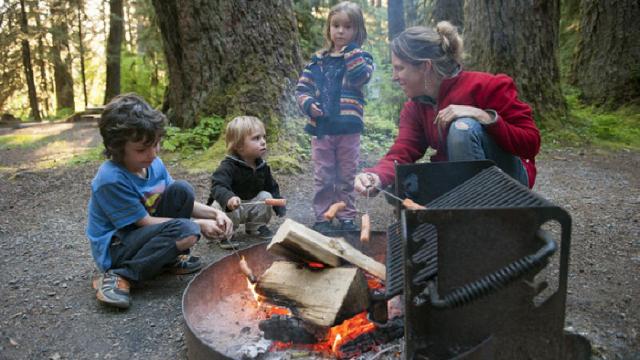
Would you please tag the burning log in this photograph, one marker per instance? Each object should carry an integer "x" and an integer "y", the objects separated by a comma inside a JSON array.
[
  {"x": 297, "y": 242},
  {"x": 290, "y": 329},
  {"x": 322, "y": 298}
]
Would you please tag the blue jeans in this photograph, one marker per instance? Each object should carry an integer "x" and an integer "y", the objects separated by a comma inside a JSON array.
[
  {"x": 468, "y": 140},
  {"x": 140, "y": 253}
]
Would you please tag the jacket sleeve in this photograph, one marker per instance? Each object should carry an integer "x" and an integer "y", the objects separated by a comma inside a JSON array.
[
  {"x": 515, "y": 131},
  {"x": 409, "y": 146},
  {"x": 306, "y": 90},
  {"x": 221, "y": 181},
  {"x": 272, "y": 187},
  {"x": 359, "y": 65}
]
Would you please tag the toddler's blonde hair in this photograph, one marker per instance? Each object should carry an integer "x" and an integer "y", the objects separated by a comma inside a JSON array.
[{"x": 238, "y": 129}]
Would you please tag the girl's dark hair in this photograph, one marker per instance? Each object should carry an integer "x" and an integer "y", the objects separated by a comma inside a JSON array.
[
  {"x": 128, "y": 117},
  {"x": 354, "y": 12}
]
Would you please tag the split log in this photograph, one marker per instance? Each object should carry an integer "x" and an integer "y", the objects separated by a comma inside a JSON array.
[
  {"x": 322, "y": 298},
  {"x": 299, "y": 243}
]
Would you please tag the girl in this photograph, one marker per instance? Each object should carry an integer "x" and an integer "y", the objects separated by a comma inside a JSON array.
[{"x": 330, "y": 93}]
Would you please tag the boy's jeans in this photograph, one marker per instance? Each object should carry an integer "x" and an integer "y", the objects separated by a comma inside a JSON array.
[
  {"x": 335, "y": 161},
  {"x": 252, "y": 216},
  {"x": 139, "y": 253},
  {"x": 468, "y": 140}
]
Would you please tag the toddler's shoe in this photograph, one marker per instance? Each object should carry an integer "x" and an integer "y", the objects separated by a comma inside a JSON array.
[
  {"x": 263, "y": 232},
  {"x": 112, "y": 289},
  {"x": 348, "y": 225},
  {"x": 185, "y": 264}
]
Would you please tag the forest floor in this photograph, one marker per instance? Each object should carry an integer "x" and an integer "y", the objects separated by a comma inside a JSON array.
[{"x": 49, "y": 310}]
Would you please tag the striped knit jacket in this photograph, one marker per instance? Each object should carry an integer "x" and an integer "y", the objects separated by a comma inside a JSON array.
[{"x": 358, "y": 69}]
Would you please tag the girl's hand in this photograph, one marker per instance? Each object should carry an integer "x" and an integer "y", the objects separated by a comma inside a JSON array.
[
  {"x": 364, "y": 181},
  {"x": 450, "y": 113},
  {"x": 316, "y": 112},
  {"x": 233, "y": 203}
]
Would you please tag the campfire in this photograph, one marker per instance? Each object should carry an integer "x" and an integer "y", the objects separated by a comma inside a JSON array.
[{"x": 316, "y": 300}]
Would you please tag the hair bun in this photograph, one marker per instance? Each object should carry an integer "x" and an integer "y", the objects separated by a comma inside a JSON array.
[{"x": 451, "y": 40}]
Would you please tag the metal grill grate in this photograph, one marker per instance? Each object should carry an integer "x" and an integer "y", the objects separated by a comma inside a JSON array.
[
  {"x": 491, "y": 188},
  {"x": 394, "y": 260}
]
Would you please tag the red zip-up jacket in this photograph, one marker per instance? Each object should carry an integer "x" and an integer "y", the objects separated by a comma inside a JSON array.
[{"x": 514, "y": 129}]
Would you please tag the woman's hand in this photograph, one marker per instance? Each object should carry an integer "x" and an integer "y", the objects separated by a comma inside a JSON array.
[
  {"x": 364, "y": 181},
  {"x": 450, "y": 113},
  {"x": 233, "y": 203}
]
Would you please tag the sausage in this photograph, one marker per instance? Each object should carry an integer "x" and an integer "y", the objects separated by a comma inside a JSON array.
[
  {"x": 365, "y": 228},
  {"x": 246, "y": 270},
  {"x": 411, "y": 205},
  {"x": 275, "y": 202},
  {"x": 333, "y": 209}
]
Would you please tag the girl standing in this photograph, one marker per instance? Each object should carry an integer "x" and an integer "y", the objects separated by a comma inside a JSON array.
[{"x": 330, "y": 93}]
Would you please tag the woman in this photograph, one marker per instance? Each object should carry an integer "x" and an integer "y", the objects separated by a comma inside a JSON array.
[{"x": 463, "y": 115}]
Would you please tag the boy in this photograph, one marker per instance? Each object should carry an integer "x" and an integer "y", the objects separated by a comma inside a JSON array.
[
  {"x": 244, "y": 176},
  {"x": 139, "y": 217}
]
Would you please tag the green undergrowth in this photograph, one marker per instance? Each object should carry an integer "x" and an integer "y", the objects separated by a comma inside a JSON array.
[{"x": 599, "y": 127}]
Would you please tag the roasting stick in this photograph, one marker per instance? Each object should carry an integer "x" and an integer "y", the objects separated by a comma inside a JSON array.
[
  {"x": 244, "y": 267},
  {"x": 268, "y": 202},
  {"x": 407, "y": 203}
]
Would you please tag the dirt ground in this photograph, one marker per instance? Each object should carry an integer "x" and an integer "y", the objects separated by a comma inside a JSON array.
[{"x": 49, "y": 310}]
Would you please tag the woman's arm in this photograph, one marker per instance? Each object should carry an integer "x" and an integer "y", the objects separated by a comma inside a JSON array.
[{"x": 409, "y": 146}]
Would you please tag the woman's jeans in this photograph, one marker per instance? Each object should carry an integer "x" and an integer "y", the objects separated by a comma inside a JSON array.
[{"x": 468, "y": 140}]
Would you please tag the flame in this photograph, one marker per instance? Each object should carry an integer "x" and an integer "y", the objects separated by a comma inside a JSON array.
[
  {"x": 315, "y": 265},
  {"x": 338, "y": 335}
]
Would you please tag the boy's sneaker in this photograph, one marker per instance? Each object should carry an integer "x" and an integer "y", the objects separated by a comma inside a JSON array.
[
  {"x": 262, "y": 232},
  {"x": 112, "y": 289},
  {"x": 348, "y": 225},
  {"x": 323, "y": 227},
  {"x": 185, "y": 264}
]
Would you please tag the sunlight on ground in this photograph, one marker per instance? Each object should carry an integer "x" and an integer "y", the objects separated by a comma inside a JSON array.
[{"x": 22, "y": 141}]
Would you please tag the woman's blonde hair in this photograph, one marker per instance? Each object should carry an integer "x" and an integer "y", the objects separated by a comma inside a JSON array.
[
  {"x": 238, "y": 129},
  {"x": 442, "y": 45},
  {"x": 354, "y": 13}
]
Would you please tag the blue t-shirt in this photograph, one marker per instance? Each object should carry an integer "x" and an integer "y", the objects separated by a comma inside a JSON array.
[{"x": 120, "y": 198}]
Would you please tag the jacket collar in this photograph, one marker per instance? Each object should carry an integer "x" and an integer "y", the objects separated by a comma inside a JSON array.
[
  {"x": 445, "y": 85},
  {"x": 259, "y": 162}
]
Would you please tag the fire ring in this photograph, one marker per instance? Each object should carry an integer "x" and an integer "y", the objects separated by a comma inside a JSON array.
[{"x": 220, "y": 313}]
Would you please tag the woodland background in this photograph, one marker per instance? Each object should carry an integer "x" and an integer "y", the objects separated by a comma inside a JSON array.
[{"x": 203, "y": 62}]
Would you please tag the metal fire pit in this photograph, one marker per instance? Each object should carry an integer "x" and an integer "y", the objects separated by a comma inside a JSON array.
[{"x": 220, "y": 313}]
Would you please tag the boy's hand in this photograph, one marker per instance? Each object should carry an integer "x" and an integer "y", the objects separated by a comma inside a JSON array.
[
  {"x": 280, "y": 210},
  {"x": 219, "y": 227},
  {"x": 233, "y": 203}
]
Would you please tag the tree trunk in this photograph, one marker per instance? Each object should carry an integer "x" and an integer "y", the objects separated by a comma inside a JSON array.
[
  {"x": 519, "y": 39},
  {"x": 61, "y": 57},
  {"x": 395, "y": 15},
  {"x": 81, "y": 17},
  {"x": 605, "y": 64},
  {"x": 411, "y": 13},
  {"x": 229, "y": 58},
  {"x": 114, "y": 47},
  {"x": 449, "y": 10},
  {"x": 128, "y": 23},
  {"x": 41, "y": 61},
  {"x": 26, "y": 62}
]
